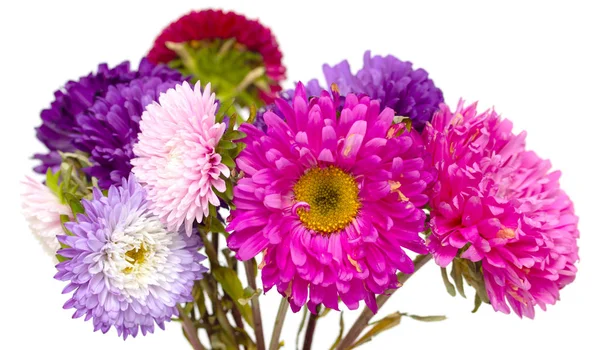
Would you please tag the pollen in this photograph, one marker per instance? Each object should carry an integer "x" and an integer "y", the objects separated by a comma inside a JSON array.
[
  {"x": 332, "y": 198},
  {"x": 135, "y": 256}
]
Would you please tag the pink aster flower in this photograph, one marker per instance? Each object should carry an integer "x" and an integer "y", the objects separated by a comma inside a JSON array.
[
  {"x": 330, "y": 201},
  {"x": 499, "y": 206},
  {"x": 176, "y": 156},
  {"x": 42, "y": 210}
]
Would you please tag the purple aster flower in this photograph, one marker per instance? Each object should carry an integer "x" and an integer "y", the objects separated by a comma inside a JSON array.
[
  {"x": 409, "y": 92},
  {"x": 108, "y": 130},
  {"x": 59, "y": 121},
  {"x": 125, "y": 269}
]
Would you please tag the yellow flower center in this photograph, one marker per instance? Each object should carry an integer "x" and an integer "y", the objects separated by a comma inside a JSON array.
[
  {"x": 135, "y": 257},
  {"x": 332, "y": 197}
]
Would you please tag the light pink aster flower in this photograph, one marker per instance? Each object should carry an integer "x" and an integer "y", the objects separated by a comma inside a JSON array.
[
  {"x": 331, "y": 201},
  {"x": 42, "y": 210},
  {"x": 176, "y": 158},
  {"x": 499, "y": 205}
]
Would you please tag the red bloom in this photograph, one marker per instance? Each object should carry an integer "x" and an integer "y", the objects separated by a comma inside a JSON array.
[{"x": 216, "y": 24}]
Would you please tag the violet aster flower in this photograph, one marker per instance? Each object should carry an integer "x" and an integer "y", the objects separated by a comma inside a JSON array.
[
  {"x": 59, "y": 121},
  {"x": 125, "y": 269},
  {"x": 176, "y": 156},
  {"x": 108, "y": 130},
  {"x": 499, "y": 206},
  {"x": 330, "y": 201},
  {"x": 409, "y": 92}
]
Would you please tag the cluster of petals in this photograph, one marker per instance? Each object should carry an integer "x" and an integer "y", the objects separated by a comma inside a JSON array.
[
  {"x": 497, "y": 204},
  {"x": 360, "y": 260}
]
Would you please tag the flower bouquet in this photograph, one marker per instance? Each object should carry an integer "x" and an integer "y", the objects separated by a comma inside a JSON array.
[{"x": 171, "y": 187}]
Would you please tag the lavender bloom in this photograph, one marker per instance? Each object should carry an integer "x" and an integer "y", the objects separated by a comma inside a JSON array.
[
  {"x": 409, "y": 92},
  {"x": 109, "y": 129},
  {"x": 59, "y": 121},
  {"x": 125, "y": 269}
]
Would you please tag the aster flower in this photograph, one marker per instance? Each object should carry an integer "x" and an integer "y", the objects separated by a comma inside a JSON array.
[
  {"x": 108, "y": 129},
  {"x": 409, "y": 92},
  {"x": 176, "y": 155},
  {"x": 59, "y": 121},
  {"x": 499, "y": 209},
  {"x": 312, "y": 89},
  {"x": 42, "y": 209},
  {"x": 125, "y": 269},
  {"x": 226, "y": 49},
  {"x": 330, "y": 202}
]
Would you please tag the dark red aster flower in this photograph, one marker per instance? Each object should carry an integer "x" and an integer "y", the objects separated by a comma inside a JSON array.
[{"x": 247, "y": 44}]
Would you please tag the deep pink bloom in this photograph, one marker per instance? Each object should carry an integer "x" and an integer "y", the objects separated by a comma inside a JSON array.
[
  {"x": 331, "y": 201},
  {"x": 209, "y": 25},
  {"x": 498, "y": 204}
]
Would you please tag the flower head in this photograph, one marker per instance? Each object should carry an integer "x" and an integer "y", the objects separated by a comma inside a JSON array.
[
  {"x": 108, "y": 129},
  {"x": 125, "y": 269},
  {"x": 499, "y": 206},
  {"x": 176, "y": 155},
  {"x": 42, "y": 209},
  {"x": 330, "y": 201},
  {"x": 59, "y": 122},
  {"x": 409, "y": 92},
  {"x": 238, "y": 52}
]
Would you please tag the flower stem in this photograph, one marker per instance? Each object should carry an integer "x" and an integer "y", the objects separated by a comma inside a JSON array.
[
  {"x": 283, "y": 307},
  {"x": 363, "y": 320},
  {"x": 190, "y": 330},
  {"x": 310, "y": 330},
  {"x": 254, "y": 303}
]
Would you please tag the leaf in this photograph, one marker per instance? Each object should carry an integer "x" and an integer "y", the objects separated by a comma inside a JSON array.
[
  {"x": 227, "y": 160},
  {"x": 435, "y": 318},
  {"x": 249, "y": 294},
  {"x": 231, "y": 284},
  {"x": 380, "y": 326},
  {"x": 226, "y": 145},
  {"x": 477, "y": 303},
  {"x": 340, "y": 334},
  {"x": 449, "y": 286},
  {"x": 457, "y": 277},
  {"x": 235, "y": 135},
  {"x": 252, "y": 116},
  {"x": 301, "y": 326}
]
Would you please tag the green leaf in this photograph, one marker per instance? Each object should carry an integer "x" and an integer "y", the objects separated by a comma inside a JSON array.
[
  {"x": 231, "y": 284},
  {"x": 477, "y": 303},
  {"x": 457, "y": 277},
  {"x": 340, "y": 334},
  {"x": 226, "y": 145},
  {"x": 447, "y": 283},
  {"x": 435, "y": 318},
  {"x": 235, "y": 135},
  {"x": 227, "y": 160},
  {"x": 301, "y": 326},
  {"x": 388, "y": 322},
  {"x": 249, "y": 294}
]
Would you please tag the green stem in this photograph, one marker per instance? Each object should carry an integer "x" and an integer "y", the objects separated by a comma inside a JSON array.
[
  {"x": 218, "y": 310},
  {"x": 283, "y": 307},
  {"x": 190, "y": 330},
  {"x": 254, "y": 303},
  {"x": 363, "y": 320}
]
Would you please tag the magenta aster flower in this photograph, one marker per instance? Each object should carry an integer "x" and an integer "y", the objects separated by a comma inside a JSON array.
[
  {"x": 499, "y": 206},
  {"x": 330, "y": 201},
  {"x": 176, "y": 155},
  {"x": 125, "y": 269}
]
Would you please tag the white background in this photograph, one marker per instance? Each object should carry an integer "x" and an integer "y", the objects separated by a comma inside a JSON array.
[{"x": 536, "y": 63}]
